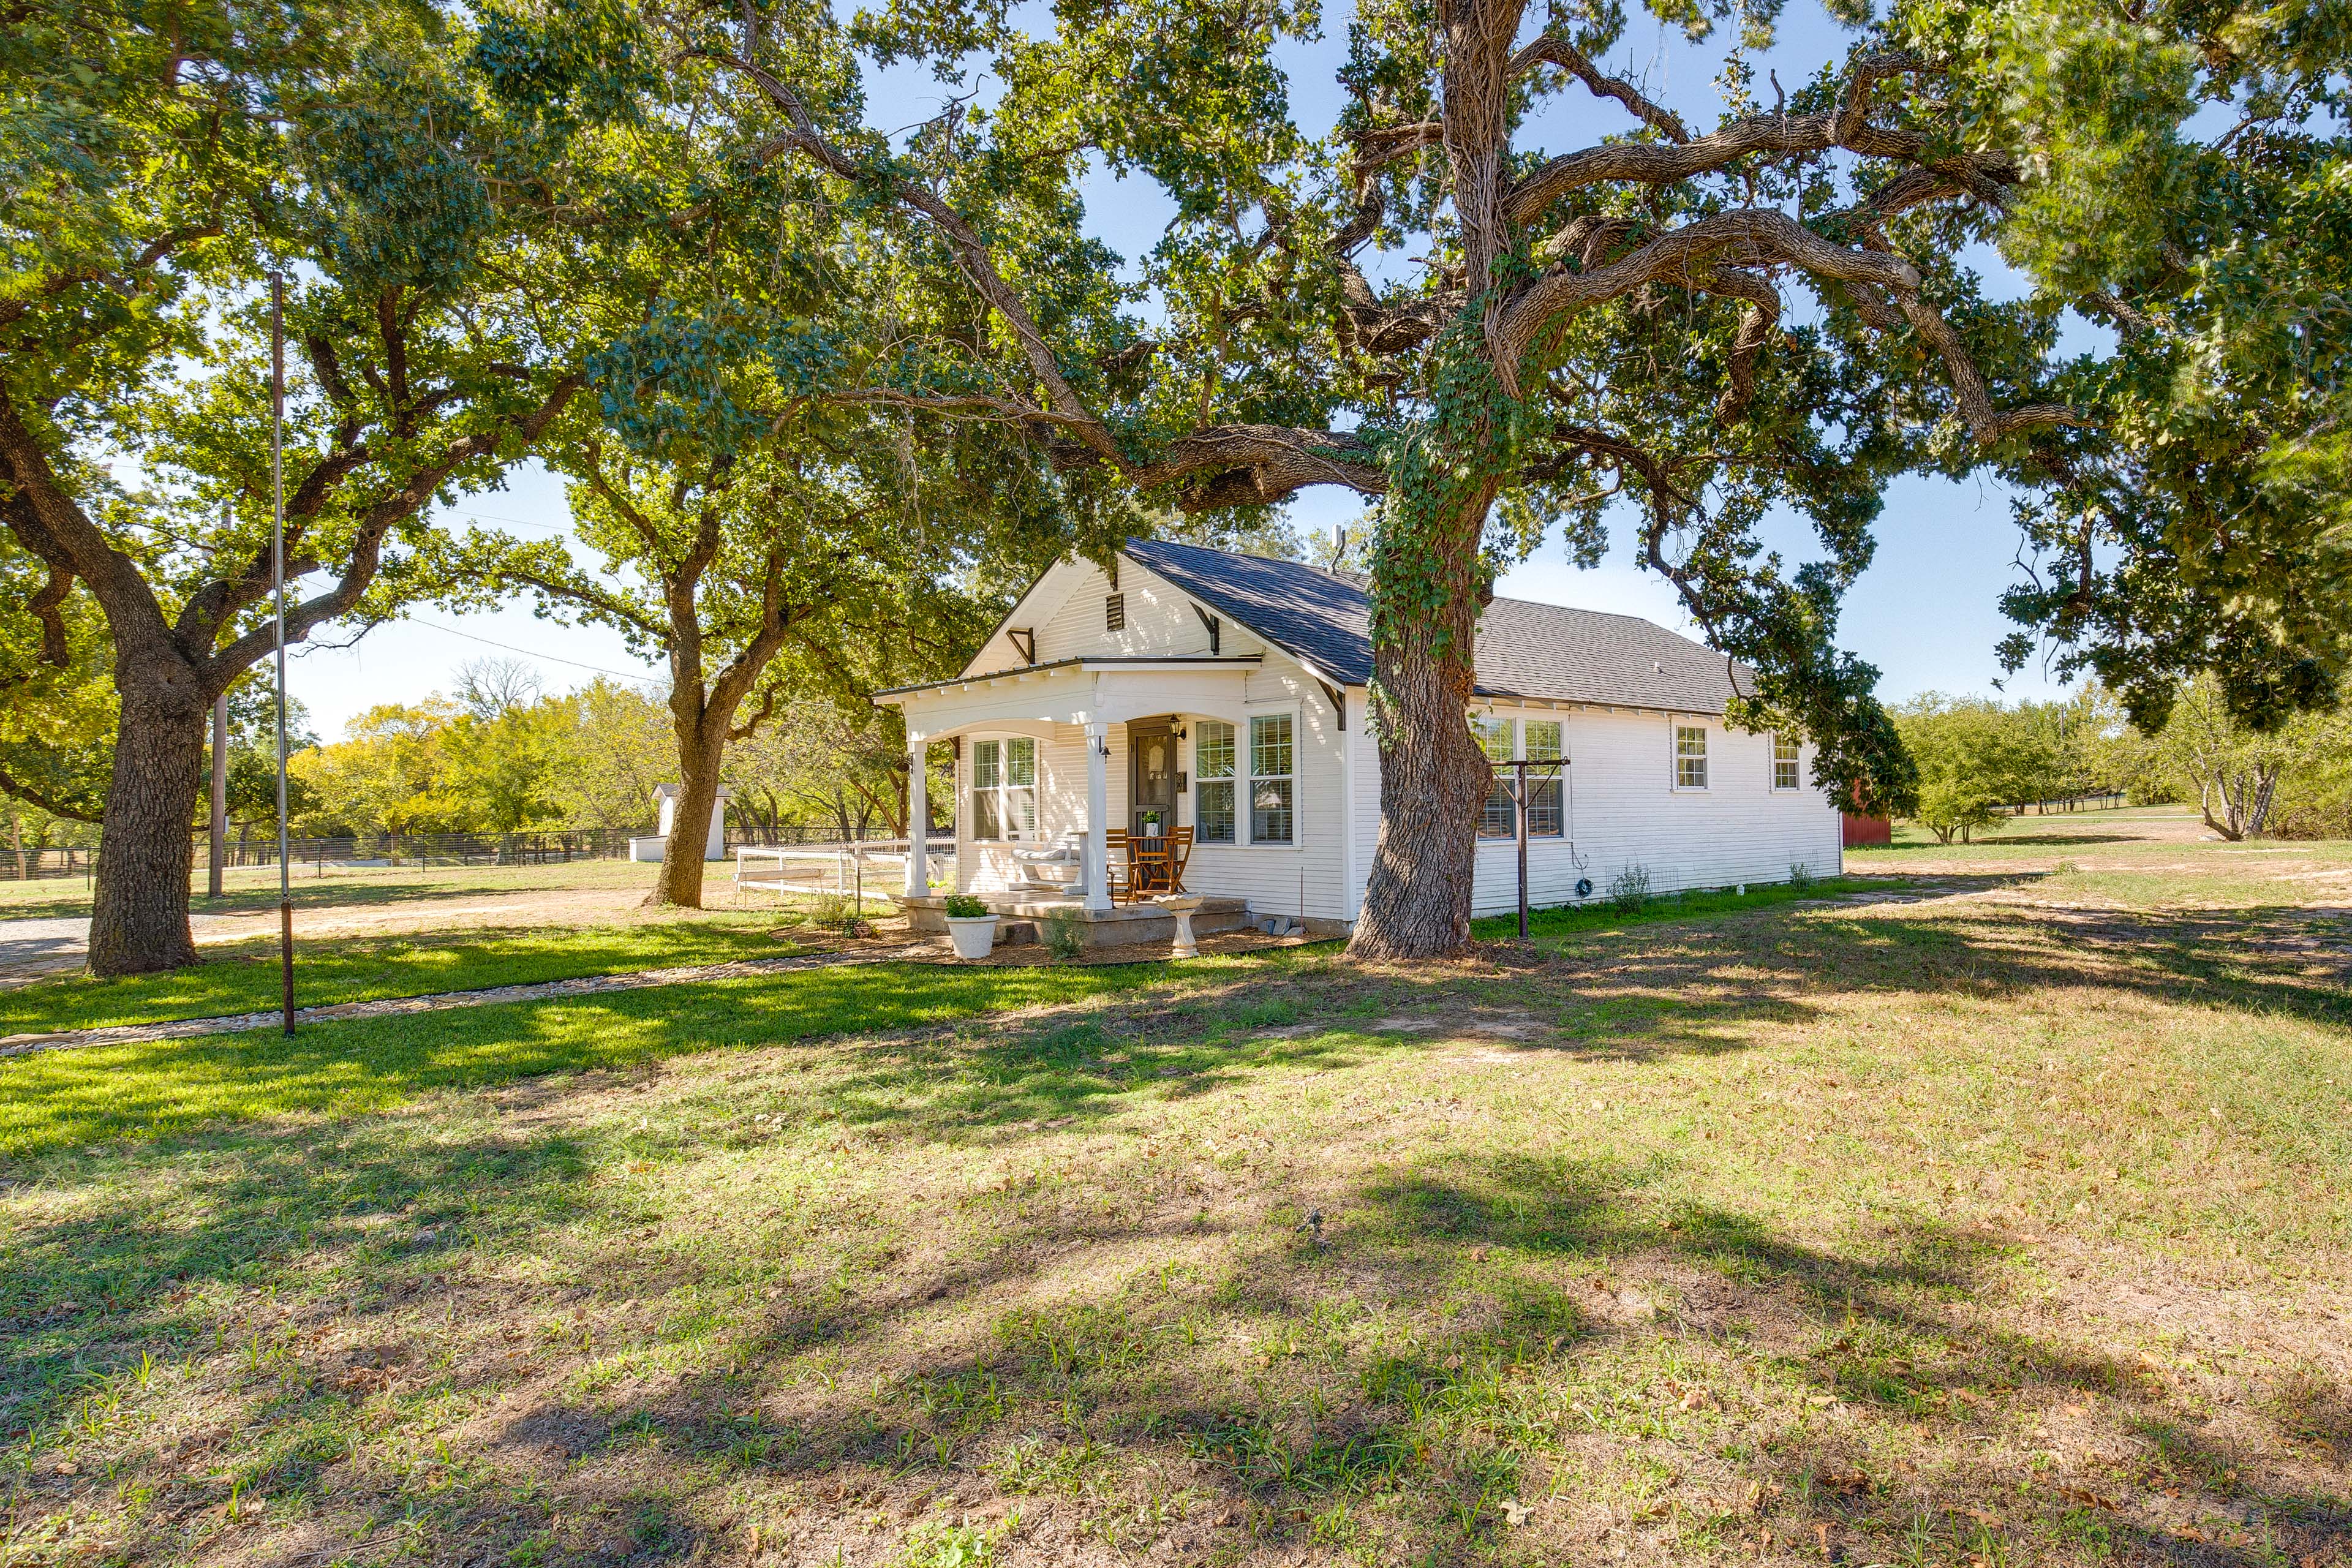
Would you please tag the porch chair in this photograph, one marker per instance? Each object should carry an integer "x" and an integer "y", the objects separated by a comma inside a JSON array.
[
  {"x": 1179, "y": 855},
  {"x": 1118, "y": 866}
]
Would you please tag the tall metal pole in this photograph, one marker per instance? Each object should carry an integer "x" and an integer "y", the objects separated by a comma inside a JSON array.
[
  {"x": 1519, "y": 798},
  {"x": 220, "y": 790},
  {"x": 277, "y": 584}
]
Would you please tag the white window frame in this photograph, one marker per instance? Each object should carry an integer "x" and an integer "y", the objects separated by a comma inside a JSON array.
[
  {"x": 1676, "y": 725},
  {"x": 1502, "y": 785},
  {"x": 1245, "y": 769},
  {"x": 1235, "y": 779},
  {"x": 1558, "y": 780},
  {"x": 1796, "y": 761},
  {"x": 1005, "y": 786}
]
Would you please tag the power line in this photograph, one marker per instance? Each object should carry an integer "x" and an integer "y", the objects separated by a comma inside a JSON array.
[{"x": 527, "y": 653}]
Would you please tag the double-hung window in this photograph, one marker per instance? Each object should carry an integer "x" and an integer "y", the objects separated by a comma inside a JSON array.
[
  {"x": 1271, "y": 779},
  {"x": 1227, "y": 795},
  {"x": 1499, "y": 818},
  {"x": 1690, "y": 756},
  {"x": 1005, "y": 789},
  {"x": 1784, "y": 763},
  {"x": 1546, "y": 786},
  {"x": 1212, "y": 782}
]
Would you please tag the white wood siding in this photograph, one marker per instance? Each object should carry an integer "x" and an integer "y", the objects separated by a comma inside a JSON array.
[
  {"x": 1061, "y": 804},
  {"x": 1160, "y": 620},
  {"x": 1623, "y": 810},
  {"x": 1307, "y": 878}
]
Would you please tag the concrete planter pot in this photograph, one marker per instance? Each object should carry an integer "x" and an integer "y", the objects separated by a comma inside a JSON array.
[{"x": 973, "y": 935}]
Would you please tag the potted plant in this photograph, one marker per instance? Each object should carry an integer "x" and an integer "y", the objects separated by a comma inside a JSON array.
[{"x": 970, "y": 926}]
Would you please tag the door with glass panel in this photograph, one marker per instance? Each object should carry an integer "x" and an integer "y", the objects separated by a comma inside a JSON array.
[{"x": 1151, "y": 779}]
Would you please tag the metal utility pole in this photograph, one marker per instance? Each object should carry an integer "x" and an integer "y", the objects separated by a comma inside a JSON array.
[
  {"x": 220, "y": 772},
  {"x": 1519, "y": 799},
  {"x": 277, "y": 584},
  {"x": 220, "y": 791}
]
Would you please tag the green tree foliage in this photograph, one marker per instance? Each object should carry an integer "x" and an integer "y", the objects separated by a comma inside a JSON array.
[
  {"x": 161, "y": 162},
  {"x": 498, "y": 758},
  {"x": 616, "y": 749},
  {"x": 1700, "y": 322},
  {"x": 1974, "y": 757},
  {"x": 58, "y": 709},
  {"x": 831, "y": 765},
  {"x": 2234, "y": 770},
  {"x": 2193, "y": 191}
]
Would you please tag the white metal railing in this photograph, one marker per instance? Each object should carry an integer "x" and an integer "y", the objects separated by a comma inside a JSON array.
[{"x": 810, "y": 868}]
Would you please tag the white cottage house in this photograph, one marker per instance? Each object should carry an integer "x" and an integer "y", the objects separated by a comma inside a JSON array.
[{"x": 1227, "y": 693}]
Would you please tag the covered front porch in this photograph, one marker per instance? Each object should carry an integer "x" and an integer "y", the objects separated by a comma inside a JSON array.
[{"x": 1056, "y": 765}]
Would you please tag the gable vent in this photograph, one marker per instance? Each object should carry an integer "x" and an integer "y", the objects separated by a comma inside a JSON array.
[{"x": 1115, "y": 613}]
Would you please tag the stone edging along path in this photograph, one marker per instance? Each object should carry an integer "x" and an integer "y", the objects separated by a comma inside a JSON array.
[{"x": 394, "y": 1006}]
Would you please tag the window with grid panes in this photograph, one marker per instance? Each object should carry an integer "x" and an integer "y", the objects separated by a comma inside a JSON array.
[
  {"x": 1690, "y": 756},
  {"x": 1546, "y": 787},
  {"x": 1784, "y": 762},
  {"x": 1500, "y": 817},
  {"x": 1005, "y": 789},
  {"x": 1212, "y": 782},
  {"x": 1270, "y": 779}
]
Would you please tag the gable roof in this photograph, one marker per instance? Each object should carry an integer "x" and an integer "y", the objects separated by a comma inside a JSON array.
[{"x": 1546, "y": 652}]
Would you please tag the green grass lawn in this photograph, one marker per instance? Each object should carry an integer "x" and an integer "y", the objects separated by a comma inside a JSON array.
[
  {"x": 242, "y": 977},
  {"x": 1600, "y": 916},
  {"x": 2006, "y": 1229},
  {"x": 254, "y": 889}
]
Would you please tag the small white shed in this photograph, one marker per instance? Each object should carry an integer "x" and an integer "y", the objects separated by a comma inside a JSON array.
[
  {"x": 714, "y": 844},
  {"x": 1226, "y": 694}
]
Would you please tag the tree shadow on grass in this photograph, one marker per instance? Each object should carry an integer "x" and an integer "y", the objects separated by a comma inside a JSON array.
[{"x": 580, "y": 1331}]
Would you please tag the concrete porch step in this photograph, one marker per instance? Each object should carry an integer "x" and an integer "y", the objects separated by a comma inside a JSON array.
[{"x": 1021, "y": 918}]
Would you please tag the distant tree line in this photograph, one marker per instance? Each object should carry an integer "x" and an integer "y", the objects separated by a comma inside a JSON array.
[
  {"x": 500, "y": 755},
  {"x": 1980, "y": 758}
]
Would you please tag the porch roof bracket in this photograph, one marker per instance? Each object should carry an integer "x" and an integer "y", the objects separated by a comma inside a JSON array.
[
  {"x": 1338, "y": 699},
  {"x": 1214, "y": 625}
]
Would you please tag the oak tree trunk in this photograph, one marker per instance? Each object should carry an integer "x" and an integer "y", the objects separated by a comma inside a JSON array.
[
  {"x": 138, "y": 918},
  {"x": 700, "y": 740},
  {"x": 1433, "y": 776}
]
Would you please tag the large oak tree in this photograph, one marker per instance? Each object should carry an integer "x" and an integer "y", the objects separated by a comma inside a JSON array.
[
  {"x": 437, "y": 188},
  {"x": 1609, "y": 320}
]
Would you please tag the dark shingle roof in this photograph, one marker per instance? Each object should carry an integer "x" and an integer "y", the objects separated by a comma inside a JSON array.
[{"x": 1546, "y": 652}]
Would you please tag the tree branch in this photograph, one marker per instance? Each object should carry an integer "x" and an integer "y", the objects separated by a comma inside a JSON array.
[
  {"x": 1647, "y": 164},
  {"x": 367, "y": 546},
  {"x": 27, "y": 792},
  {"x": 1553, "y": 50}
]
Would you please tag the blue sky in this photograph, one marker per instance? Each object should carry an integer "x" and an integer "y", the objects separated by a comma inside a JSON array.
[{"x": 1926, "y": 613}]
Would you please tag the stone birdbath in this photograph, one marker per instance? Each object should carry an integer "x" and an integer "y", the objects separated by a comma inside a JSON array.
[{"x": 1182, "y": 906}]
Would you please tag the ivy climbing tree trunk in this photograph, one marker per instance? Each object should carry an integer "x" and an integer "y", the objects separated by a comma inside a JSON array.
[{"x": 1433, "y": 777}]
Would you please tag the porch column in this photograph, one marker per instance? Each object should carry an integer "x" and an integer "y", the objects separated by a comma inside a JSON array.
[
  {"x": 919, "y": 818},
  {"x": 1097, "y": 867}
]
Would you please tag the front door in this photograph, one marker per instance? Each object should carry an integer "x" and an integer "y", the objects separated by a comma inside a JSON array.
[{"x": 1150, "y": 776}]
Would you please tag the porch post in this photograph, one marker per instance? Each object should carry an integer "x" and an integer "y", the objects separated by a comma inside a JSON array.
[
  {"x": 1096, "y": 869},
  {"x": 919, "y": 818}
]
